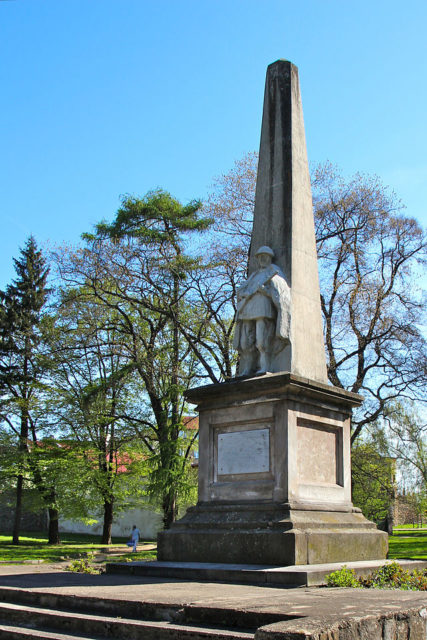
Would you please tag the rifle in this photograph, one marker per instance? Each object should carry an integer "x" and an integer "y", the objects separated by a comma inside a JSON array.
[{"x": 241, "y": 303}]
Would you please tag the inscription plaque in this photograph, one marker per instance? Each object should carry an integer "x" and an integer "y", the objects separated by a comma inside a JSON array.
[{"x": 244, "y": 452}]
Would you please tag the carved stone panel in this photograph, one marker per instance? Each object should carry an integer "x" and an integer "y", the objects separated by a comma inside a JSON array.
[
  {"x": 319, "y": 453},
  {"x": 243, "y": 452}
]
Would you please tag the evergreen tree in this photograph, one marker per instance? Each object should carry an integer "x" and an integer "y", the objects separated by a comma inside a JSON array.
[
  {"x": 139, "y": 268},
  {"x": 156, "y": 227},
  {"x": 21, "y": 312}
]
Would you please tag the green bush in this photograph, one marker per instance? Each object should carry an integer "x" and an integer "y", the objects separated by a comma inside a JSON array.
[
  {"x": 344, "y": 577},
  {"x": 388, "y": 576},
  {"x": 84, "y": 565},
  {"x": 392, "y": 576}
]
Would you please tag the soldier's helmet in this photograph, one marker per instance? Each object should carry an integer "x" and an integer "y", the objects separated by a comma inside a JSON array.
[{"x": 266, "y": 250}]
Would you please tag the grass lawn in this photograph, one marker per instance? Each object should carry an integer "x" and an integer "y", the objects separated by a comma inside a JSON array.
[
  {"x": 405, "y": 543},
  {"x": 34, "y": 547},
  {"x": 408, "y": 543}
]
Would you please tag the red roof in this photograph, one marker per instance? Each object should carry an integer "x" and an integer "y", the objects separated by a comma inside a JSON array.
[{"x": 191, "y": 422}]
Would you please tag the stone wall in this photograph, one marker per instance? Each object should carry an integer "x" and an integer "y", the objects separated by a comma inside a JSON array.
[
  {"x": 394, "y": 626},
  {"x": 405, "y": 511},
  {"x": 148, "y": 522}
]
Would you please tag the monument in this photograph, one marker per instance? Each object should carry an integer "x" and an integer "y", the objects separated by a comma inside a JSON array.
[{"x": 274, "y": 443}]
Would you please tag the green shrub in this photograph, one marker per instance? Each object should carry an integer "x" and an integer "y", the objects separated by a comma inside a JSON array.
[
  {"x": 344, "y": 577},
  {"x": 388, "y": 576},
  {"x": 84, "y": 565},
  {"x": 393, "y": 576}
]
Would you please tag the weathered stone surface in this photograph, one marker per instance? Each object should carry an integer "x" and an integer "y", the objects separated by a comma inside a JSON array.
[
  {"x": 288, "y": 505},
  {"x": 389, "y": 628},
  {"x": 408, "y": 625},
  {"x": 242, "y": 452},
  {"x": 321, "y": 613},
  {"x": 274, "y": 450},
  {"x": 283, "y": 218},
  {"x": 236, "y": 534},
  {"x": 306, "y": 426},
  {"x": 314, "y": 629},
  {"x": 263, "y": 317}
]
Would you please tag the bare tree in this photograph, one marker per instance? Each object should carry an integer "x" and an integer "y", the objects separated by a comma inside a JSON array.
[
  {"x": 232, "y": 199},
  {"x": 370, "y": 257},
  {"x": 406, "y": 433}
]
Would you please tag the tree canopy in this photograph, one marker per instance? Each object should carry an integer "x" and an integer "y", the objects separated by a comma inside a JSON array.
[
  {"x": 23, "y": 366},
  {"x": 370, "y": 256},
  {"x": 138, "y": 268},
  {"x": 145, "y": 309}
]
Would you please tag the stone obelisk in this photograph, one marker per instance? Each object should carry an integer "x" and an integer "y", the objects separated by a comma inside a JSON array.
[
  {"x": 274, "y": 447},
  {"x": 283, "y": 218}
]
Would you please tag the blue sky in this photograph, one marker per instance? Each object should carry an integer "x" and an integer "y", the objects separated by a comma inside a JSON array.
[{"x": 106, "y": 97}]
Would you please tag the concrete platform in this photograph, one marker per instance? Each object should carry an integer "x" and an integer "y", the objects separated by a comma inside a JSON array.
[
  {"x": 291, "y": 576},
  {"x": 272, "y": 613}
]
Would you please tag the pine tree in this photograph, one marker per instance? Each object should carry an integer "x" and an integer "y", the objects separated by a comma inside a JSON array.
[
  {"x": 21, "y": 307},
  {"x": 139, "y": 267}
]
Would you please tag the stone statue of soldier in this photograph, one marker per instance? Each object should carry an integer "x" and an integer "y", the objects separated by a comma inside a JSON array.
[{"x": 263, "y": 315}]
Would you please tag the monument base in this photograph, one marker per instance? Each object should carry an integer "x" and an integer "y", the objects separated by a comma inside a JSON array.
[
  {"x": 274, "y": 478},
  {"x": 300, "y": 575},
  {"x": 270, "y": 535}
]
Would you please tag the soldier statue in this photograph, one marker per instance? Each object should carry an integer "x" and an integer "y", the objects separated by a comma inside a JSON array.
[{"x": 263, "y": 315}]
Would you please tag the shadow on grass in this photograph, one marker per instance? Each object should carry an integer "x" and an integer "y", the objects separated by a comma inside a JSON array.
[
  {"x": 408, "y": 546},
  {"x": 40, "y": 537},
  {"x": 409, "y": 533}
]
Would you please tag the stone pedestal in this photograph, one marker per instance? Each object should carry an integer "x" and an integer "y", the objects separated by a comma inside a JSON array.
[{"x": 274, "y": 478}]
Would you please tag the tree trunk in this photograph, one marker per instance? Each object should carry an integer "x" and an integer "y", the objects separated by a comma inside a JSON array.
[
  {"x": 169, "y": 495},
  {"x": 18, "y": 510},
  {"x": 169, "y": 508},
  {"x": 108, "y": 521},
  {"x": 20, "y": 482},
  {"x": 48, "y": 495},
  {"x": 53, "y": 533}
]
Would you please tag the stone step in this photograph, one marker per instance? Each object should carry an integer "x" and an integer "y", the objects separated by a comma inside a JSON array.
[
  {"x": 287, "y": 576},
  {"x": 103, "y": 627},
  {"x": 235, "y": 617},
  {"x": 9, "y": 632},
  {"x": 133, "y": 609}
]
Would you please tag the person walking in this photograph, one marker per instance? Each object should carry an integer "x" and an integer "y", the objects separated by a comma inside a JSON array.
[{"x": 134, "y": 536}]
